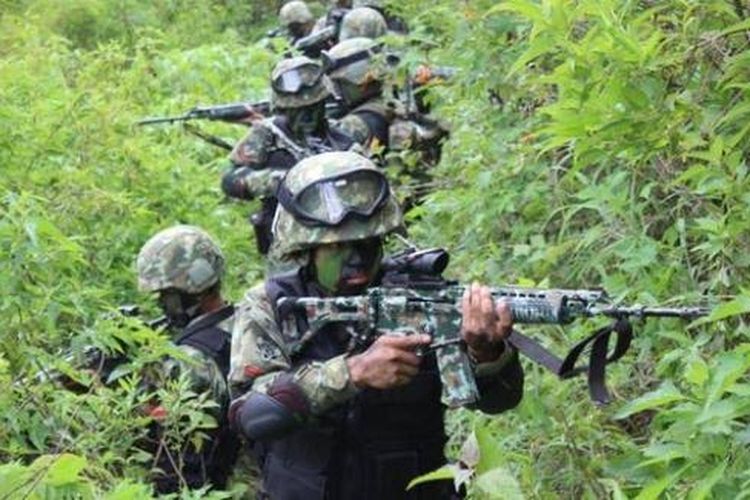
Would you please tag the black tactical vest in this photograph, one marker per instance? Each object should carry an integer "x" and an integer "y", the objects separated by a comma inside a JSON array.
[
  {"x": 214, "y": 463},
  {"x": 369, "y": 448}
]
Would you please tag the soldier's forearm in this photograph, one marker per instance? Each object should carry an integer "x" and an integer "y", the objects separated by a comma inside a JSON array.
[
  {"x": 326, "y": 384},
  {"x": 502, "y": 389},
  {"x": 280, "y": 402}
]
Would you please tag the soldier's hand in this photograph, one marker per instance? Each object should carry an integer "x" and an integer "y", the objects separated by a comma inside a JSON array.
[
  {"x": 485, "y": 324},
  {"x": 389, "y": 362}
]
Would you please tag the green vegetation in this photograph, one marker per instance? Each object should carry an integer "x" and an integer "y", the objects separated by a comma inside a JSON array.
[{"x": 614, "y": 151}]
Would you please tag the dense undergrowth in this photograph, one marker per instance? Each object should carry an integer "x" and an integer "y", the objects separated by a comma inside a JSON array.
[{"x": 594, "y": 143}]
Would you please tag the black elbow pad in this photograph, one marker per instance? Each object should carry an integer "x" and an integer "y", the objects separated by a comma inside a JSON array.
[
  {"x": 232, "y": 183},
  {"x": 261, "y": 417}
]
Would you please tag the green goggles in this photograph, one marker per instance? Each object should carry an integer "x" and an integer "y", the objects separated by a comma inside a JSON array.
[
  {"x": 331, "y": 201},
  {"x": 296, "y": 79}
]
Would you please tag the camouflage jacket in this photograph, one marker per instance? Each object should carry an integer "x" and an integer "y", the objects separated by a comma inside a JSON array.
[
  {"x": 260, "y": 355},
  {"x": 204, "y": 366},
  {"x": 261, "y": 159}
]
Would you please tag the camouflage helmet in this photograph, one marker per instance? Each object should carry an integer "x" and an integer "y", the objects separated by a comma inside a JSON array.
[
  {"x": 295, "y": 12},
  {"x": 362, "y": 22},
  {"x": 297, "y": 82},
  {"x": 291, "y": 235},
  {"x": 180, "y": 257},
  {"x": 358, "y": 71}
]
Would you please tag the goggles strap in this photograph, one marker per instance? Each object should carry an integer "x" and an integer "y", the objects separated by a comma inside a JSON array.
[{"x": 334, "y": 64}]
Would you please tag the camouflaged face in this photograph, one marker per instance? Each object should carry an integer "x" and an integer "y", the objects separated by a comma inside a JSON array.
[
  {"x": 290, "y": 236},
  {"x": 306, "y": 95},
  {"x": 362, "y": 22},
  {"x": 181, "y": 257},
  {"x": 359, "y": 71},
  {"x": 295, "y": 12}
]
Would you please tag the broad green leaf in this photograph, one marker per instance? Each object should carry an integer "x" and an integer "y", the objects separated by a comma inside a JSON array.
[
  {"x": 441, "y": 474},
  {"x": 703, "y": 489},
  {"x": 730, "y": 366},
  {"x": 662, "y": 396},
  {"x": 735, "y": 307},
  {"x": 654, "y": 490},
  {"x": 696, "y": 371},
  {"x": 490, "y": 453},
  {"x": 65, "y": 469},
  {"x": 499, "y": 483}
]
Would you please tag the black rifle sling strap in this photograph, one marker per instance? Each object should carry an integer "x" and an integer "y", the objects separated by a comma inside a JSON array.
[
  {"x": 209, "y": 138},
  {"x": 599, "y": 356}
]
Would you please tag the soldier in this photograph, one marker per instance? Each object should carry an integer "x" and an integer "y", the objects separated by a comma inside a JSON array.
[
  {"x": 358, "y": 72},
  {"x": 272, "y": 146},
  {"x": 183, "y": 266},
  {"x": 296, "y": 19},
  {"x": 362, "y": 22},
  {"x": 330, "y": 423},
  {"x": 358, "y": 80}
]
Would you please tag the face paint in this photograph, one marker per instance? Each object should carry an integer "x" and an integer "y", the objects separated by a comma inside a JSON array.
[
  {"x": 179, "y": 308},
  {"x": 347, "y": 268},
  {"x": 307, "y": 120},
  {"x": 298, "y": 30}
]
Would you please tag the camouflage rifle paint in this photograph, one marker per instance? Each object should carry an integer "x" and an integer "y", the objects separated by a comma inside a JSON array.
[{"x": 437, "y": 312}]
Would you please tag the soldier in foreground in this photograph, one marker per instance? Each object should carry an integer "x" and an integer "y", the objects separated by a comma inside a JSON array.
[
  {"x": 333, "y": 423},
  {"x": 183, "y": 266},
  {"x": 298, "y": 129}
]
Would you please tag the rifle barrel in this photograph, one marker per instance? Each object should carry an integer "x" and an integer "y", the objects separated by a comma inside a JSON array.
[
  {"x": 646, "y": 312},
  {"x": 162, "y": 119}
]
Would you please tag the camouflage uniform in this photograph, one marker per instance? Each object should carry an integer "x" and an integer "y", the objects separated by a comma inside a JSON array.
[
  {"x": 380, "y": 124},
  {"x": 334, "y": 440},
  {"x": 360, "y": 85},
  {"x": 271, "y": 148},
  {"x": 184, "y": 259}
]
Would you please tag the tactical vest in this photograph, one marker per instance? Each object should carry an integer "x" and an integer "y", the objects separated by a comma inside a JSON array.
[
  {"x": 369, "y": 448},
  {"x": 206, "y": 336},
  {"x": 215, "y": 461}
]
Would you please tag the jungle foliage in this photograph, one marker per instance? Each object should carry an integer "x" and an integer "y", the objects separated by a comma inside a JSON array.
[{"x": 593, "y": 143}]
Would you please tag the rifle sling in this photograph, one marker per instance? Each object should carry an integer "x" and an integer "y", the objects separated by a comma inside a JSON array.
[
  {"x": 598, "y": 356},
  {"x": 209, "y": 138}
]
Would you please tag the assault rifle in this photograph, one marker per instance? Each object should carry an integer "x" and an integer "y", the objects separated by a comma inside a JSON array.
[
  {"x": 223, "y": 112},
  {"x": 312, "y": 44},
  {"x": 422, "y": 302}
]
